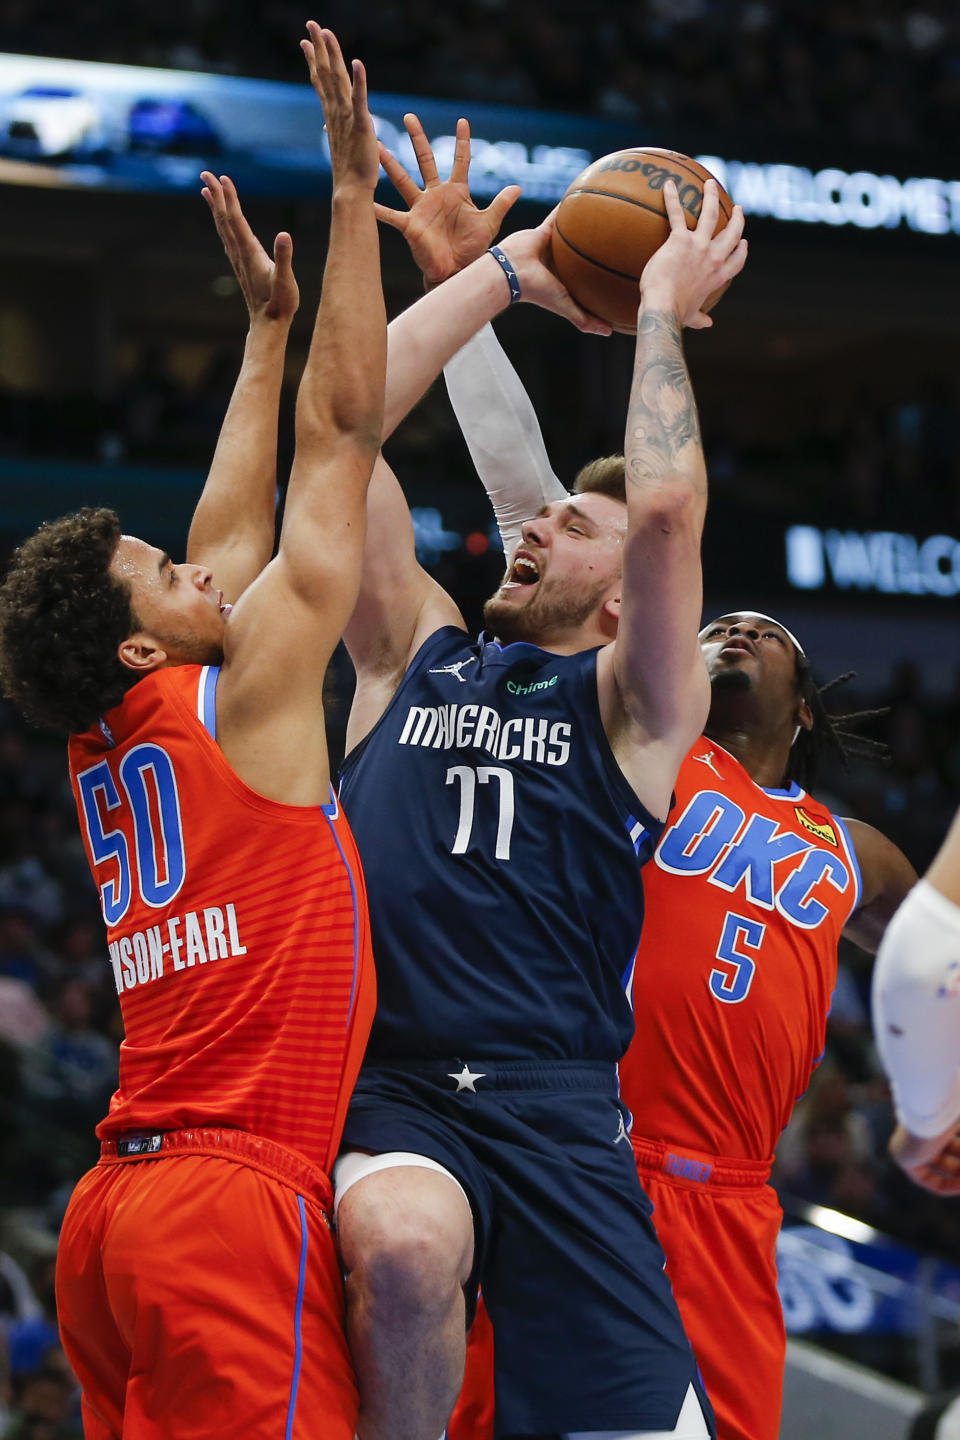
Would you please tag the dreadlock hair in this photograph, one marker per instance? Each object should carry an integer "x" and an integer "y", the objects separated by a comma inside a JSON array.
[
  {"x": 606, "y": 476},
  {"x": 830, "y": 734},
  {"x": 62, "y": 617}
]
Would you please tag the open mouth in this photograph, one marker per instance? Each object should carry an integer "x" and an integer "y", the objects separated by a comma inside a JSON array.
[
  {"x": 736, "y": 647},
  {"x": 523, "y": 571}
]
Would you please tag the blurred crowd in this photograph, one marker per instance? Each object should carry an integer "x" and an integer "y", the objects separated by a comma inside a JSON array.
[
  {"x": 877, "y": 72},
  {"x": 870, "y": 461}
]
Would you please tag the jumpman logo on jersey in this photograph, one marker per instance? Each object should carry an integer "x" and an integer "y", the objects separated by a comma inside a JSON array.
[
  {"x": 453, "y": 669},
  {"x": 707, "y": 759},
  {"x": 621, "y": 1133}
]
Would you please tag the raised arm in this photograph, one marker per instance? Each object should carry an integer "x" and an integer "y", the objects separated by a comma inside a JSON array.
[
  {"x": 285, "y": 626},
  {"x": 654, "y": 691},
  {"x": 232, "y": 531},
  {"x": 916, "y": 1021},
  {"x": 400, "y": 605},
  {"x": 502, "y": 432},
  {"x": 446, "y": 231}
]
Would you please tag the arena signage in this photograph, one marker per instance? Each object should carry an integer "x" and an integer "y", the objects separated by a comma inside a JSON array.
[
  {"x": 886, "y": 561},
  {"x": 123, "y": 127},
  {"x": 836, "y": 197},
  {"x": 852, "y": 1286}
]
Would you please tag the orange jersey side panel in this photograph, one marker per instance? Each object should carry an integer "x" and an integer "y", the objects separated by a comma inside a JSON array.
[
  {"x": 746, "y": 897},
  {"x": 237, "y": 929}
]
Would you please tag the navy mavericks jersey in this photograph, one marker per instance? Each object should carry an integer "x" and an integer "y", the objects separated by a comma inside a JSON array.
[{"x": 502, "y": 847}]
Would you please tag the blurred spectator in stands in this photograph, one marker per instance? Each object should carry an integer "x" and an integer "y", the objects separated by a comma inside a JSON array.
[
  {"x": 43, "y": 1408},
  {"x": 22, "y": 956},
  {"x": 149, "y": 404},
  {"x": 826, "y": 1137}
]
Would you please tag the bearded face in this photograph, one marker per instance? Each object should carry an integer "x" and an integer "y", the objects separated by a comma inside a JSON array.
[
  {"x": 552, "y": 608},
  {"x": 568, "y": 563}
]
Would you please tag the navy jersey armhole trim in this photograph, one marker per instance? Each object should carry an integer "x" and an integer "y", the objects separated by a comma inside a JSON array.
[
  {"x": 624, "y": 790},
  {"x": 416, "y": 664}
]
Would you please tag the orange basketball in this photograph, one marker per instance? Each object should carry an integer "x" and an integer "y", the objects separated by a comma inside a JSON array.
[{"x": 613, "y": 218}]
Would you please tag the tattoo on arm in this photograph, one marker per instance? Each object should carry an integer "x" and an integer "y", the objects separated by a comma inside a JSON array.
[{"x": 662, "y": 420}]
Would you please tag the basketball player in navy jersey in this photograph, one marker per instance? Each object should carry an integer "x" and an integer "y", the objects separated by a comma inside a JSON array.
[{"x": 505, "y": 795}]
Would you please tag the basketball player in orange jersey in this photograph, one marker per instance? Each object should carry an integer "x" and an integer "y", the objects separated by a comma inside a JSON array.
[
  {"x": 751, "y": 885},
  {"x": 198, "y": 1286}
]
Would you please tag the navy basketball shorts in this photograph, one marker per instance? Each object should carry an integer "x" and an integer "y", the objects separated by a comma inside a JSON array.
[{"x": 588, "y": 1335}]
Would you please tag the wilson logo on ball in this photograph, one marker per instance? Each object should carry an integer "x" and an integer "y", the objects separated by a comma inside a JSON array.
[
  {"x": 613, "y": 218},
  {"x": 691, "y": 196}
]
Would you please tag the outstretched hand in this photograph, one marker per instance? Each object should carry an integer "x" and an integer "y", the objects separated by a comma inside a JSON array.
[
  {"x": 268, "y": 286},
  {"x": 443, "y": 227},
  {"x": 692, "y": 265},
  {"x": 350, "y": 132},
  {"x": 933, "y": 1164}
]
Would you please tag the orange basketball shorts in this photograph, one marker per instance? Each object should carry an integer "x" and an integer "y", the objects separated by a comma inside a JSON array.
[
  {"x": 472, "y": 1418},
  {"x": 201, "y": 1296},
  {"x": 718, "y": 1223}
]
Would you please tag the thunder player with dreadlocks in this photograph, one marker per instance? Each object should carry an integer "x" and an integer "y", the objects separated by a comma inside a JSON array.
[{"x": 751, "y": 886}]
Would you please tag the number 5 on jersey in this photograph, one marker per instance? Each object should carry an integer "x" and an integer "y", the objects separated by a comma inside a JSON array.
[{"x": 732, "y": 982}]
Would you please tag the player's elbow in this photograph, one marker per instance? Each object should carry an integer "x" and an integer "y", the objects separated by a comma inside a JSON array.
[
  {"x": 674, "y": 505},
  {"x": 689, "y": 705},
  {"x": 351, "y": 415}
]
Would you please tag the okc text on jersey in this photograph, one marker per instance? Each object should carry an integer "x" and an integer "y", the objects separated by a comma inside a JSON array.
[
  {"x": 480, "y": 727},
  {"x": 715, "y": 837}
]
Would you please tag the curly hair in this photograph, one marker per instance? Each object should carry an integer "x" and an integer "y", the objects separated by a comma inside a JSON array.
[{"x": 62, "y": 617}]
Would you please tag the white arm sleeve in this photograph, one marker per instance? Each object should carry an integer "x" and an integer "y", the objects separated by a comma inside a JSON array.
[
  {"x": 502, "y": 433},
  {"x": 916, "y": 1010}
]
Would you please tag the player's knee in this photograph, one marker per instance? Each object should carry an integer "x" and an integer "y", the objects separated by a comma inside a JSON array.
[
  {"x": 410, "y": 1273},
  {"x": 408, "y": 1247}
]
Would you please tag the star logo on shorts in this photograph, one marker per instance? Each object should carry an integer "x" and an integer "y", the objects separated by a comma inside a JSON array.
[{"x": 466, "y": 1078}]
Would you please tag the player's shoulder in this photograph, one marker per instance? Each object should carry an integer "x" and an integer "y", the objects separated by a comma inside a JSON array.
[
  {"x": 708, "y": 766},
  {"x": 874, "y": 849},
  {"x": 447, "y": 644},
  {"x": 182, "y": 689}
]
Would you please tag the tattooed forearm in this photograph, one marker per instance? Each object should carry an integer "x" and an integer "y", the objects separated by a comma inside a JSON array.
[{"x": 663, "y": 430}]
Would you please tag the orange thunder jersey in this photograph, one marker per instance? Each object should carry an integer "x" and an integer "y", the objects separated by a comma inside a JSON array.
[
  {"x": 746, "y": 897},
  {"x": 237, "y": 928}
]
